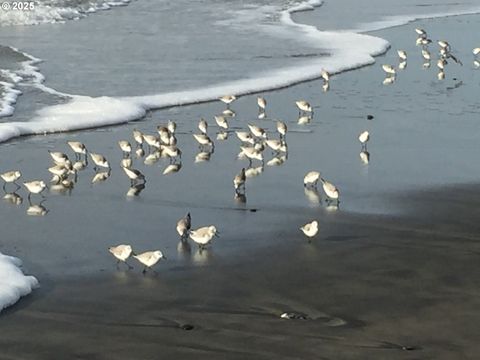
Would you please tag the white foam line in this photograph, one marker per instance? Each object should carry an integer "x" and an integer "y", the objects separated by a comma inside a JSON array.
[{"x": 13, "y": 283}]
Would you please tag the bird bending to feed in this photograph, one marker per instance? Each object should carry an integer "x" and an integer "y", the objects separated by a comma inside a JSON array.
[
  {"x": 257, "y": 131},
  {"x": 304, "y": 106},
  {"x": 184, "y": 225},
  {"x": 276, "y": 145},
  {"x": 58, "y": 157},
  {"x": 330, "y": 190},
  {"x": 251, "y": 153},
  {"x": 221, "y": 122},
  {"x": 77, "y": 147},
  {"x": 203, "y": 126},
  {"x": 402, "y": 54},
  {"x": 121, "y": 253},
  {"x": 134, "y": 175},
  {"x": 35, "y": 187},
  {"x": 100, "y": 160},
  {"x": 149, "y": 258},
  {"x": 282, "y": 128},
  {"x": 426, "y": 55},
  {"x": 228, "y": 99},
  {"x": 310, "y": 229},
  {"x": 245, "y": 137},
  {"x": 125, "y": 146},
  {"x": 262, "y": 103},
  {"x": 239, "y": 181},
  {"x": 138, "y": 136},
  {"x": 389, "y": 69},
  {"x": 204, "y": 235},
  {"x": 203, "y": 140},
  {"x": 421, "y": 32},
  {"x": 311, "y": 178},
  {"x": 364, "y": 137}
]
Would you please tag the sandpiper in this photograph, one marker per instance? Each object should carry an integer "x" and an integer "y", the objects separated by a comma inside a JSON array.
[
  {"x": 239, "y": 181},
  {"x": 184, "y": 225},
  {"x": 99, "y": 160},
  {"x": 122, "y": 253},
  {"x": 204, "y": 235},
  {"x": 149, "y": 258},
  {"x": 310, "y": 229},
  {"x": 311, "y": 179}
]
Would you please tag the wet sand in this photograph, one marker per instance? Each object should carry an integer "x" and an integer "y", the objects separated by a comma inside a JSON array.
[
  {"x": 392, "y": 274},
  {"x": 370, "y": 287}
]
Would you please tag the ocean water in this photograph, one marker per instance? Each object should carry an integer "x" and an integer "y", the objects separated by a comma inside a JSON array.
[{"x": 73, "y": 65}]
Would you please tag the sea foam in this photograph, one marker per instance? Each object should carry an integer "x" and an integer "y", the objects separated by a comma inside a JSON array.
[{"x": 13, "y": 283}]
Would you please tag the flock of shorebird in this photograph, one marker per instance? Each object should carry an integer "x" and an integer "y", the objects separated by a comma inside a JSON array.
[
  {"x": 444, "y": 54},
  {"x": 253, "y": 142}
]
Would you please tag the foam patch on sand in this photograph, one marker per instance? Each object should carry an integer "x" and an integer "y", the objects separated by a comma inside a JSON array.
[{"x": 13, "y": 283}]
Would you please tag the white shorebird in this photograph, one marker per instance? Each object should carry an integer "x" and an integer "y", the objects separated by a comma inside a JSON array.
[
  {"x": 402, "y": 65},
  {"x": 228, "y": 99},
  {"x": 325, "y": 76},
  {"x": 276, "y": 145},
  {"x": 444, "y": 44},
  {"x": 262, "y": 103},
  {"x": 149, "y": 258},
  {"x": 126, "y": 162},
  {"x": 203, "y": 140},
  {"x": 203, "y": 126},
  {"x": 389, "y": 69},
  {"x": 204, "y": 235},
  {"x": 245, "y": 137},
  {"x": 251, "y": 153},
  {"x": 257, "y": 131},
  {"x": 152, "y": 141},
  {"x": 421, "y": 32},
  {"x": 138, "y": 136},
  {"x": 172, "y": 126},
  {"x": 10, "y": 177},
  {"x": 35, "y": 187},
  {"x": 60, "y": 170},
  {"x": 78, "y": 148},
  {"x": 303, "y": 106},
  {"x": 330, "y": 190},
  {"x": 310, "y": 229},
  {"x": 282, "y": 128},
  {"x": 363, "y": 138},
  {"x": 184, "y": 225},
  {"x": 171, "y": 151},
  {"x": 164, "y": 134},
  {"x": 311, "y": 179},
  {"x": 229, "y": 112},
  {"x": 122, "y": 253},
  {"x": 58, "y": 157},
  {"x": 134, "y": 175},
  {"x": 172, "y": 168},
  {"x": 402, "y": 54},
  {"x": 426, "y": 55},
  {"x": 125, "y": 146},
  {"x": 221, "y": 122},
  {"x": 100, "y": 160},
  {"x": 239, "y": 181}
]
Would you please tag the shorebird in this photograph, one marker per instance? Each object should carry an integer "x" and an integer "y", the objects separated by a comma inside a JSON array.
[
  {"x": 11, "y": 177},
  {"x": 282, "y": 128},
  {"x": 330, "y": 190},
  {"x": 164, "y": 134},
  {"x": 310, "y": 229},
  {"x": 126, "y": 162},
  {"x": 204, "y": 235},
  {"x": 60, "y": 170},
  {"x": 100, "y": 160},
  {"x": 229, "y": 112},
  {"x": 172, "y": 126},
  {"x": 172, "y": 168},
  {"x": 402, "y": 65},
  {"x": 421, "y": 32},
  {"x": 239, "y": 181},
  {"x": 203, "y": 126},
  {"x": 257, "y": 131},
  {"x": 221, "y": 122},
  {"x": 138, "y": 136},
  {"x": 402, "y": 54},
  {"x": 78, "y": 148},
  {"x": 325, "y": 76},
  {"x": 149, "y": 258},
  {"x": 134, "y": 175},
  {"x": 245, "y": 137},
  {"x": 276, "y": 145},
  {"x": 389, "y": 69},
  {"x": 426, "y": 55},
  {"x": 34, "y": 187},
  {"x": 444, "y": 45},
  {"x": 228, "y": 99},
  {"x": 203, "y": 140},
  {"x": 251, "y": 153},
  {"x": 277, "y": 160},
  {"x": 184, "y": 225},
  {"x": 125, "y": 146},
  {"x": 303, "y": 106},
  {"x": 122, "y": 253},
  {"x": 262, "y": 104},
  {"x": 171, "y": 151},
  {"x": 363, "y": 138},
  {"x": 152, "y": 141},
  {"x": 441, "y": 64},
  {"x": 58, "y": 157},
  {"x": 311, "y": 179}
]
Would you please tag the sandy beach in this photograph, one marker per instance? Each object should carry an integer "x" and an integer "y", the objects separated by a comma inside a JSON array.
[{"x": 393, "y": 273}]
